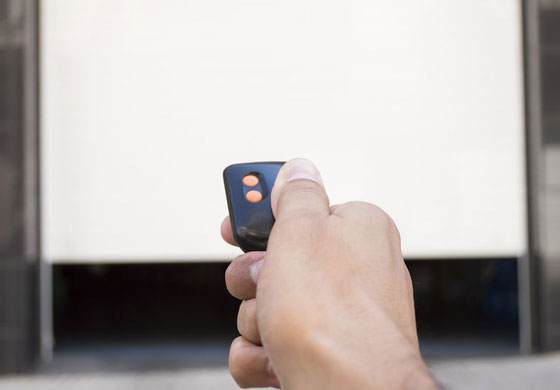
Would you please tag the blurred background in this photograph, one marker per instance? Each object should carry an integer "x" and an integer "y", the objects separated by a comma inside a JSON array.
[{"x": 117, "y": 118}]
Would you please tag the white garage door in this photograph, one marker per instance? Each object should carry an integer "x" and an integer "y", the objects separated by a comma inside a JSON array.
[{"x": 413, "y": 105}]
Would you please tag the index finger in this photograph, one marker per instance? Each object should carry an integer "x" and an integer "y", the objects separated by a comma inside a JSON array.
[{"x": 227, "y": 233}]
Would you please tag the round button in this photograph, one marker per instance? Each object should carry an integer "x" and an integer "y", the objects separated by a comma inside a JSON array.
[
  {"x": 254, "y": 196},
  {"x": 250, "y": 180}
]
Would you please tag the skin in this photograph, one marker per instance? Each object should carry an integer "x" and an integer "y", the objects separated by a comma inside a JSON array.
[{"x": 330, "y": 304}]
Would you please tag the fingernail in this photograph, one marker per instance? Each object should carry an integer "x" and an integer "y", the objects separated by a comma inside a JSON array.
[
  {"x": 255, "y": 270},
  {"x": 301, "y": 169}
]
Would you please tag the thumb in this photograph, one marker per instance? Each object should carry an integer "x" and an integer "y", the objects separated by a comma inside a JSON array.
[{"x": 299, "y": 190}]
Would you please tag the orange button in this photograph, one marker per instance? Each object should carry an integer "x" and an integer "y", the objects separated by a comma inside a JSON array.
[
  {"x": 250, "y": 180},
  {"x": 254, "y": 196}
]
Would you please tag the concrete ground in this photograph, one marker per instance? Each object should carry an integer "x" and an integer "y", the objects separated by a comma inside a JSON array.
[
  {"x": 540, "y": 372},
  {"x": 203, "y": 368}
]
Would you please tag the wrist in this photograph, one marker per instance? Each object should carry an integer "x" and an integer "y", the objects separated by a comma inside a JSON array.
[{"x": 384, "y": 359}]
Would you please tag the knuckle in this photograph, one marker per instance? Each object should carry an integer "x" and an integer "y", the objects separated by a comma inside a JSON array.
[
  {"x": 241, "y": 318},
  {"x": 390, "y": 227},
  {"x": 233, "y": 270},
  {"x": 237, "y": 275},
  {"x": 289, "y": 329},
  {"x": 375, "y": 218},
  {"x": 380, "y": 218},
  {"x": 238, "y": 362},
  {"x": 234, "y": 280},
  {"x": 229, "y": 277},
  {"x": 247, "y": 320}
]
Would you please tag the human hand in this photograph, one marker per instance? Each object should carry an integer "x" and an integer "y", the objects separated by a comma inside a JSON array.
[{"x": 329, "y": 305}]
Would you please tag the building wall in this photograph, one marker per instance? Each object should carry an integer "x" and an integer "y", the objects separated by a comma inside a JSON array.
[
  {"x": 19, "y": 241},
  {"x": 544, "y": 142}
]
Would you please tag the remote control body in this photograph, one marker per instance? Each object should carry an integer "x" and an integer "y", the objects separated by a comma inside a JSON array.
[{"x": 248, "y": 187}]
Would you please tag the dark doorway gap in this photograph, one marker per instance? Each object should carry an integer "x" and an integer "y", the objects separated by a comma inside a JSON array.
[{"x": 458, "y": 302}]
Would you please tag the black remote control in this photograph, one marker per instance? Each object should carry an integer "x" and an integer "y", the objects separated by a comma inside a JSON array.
[{"x": 248, "y": 188}]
